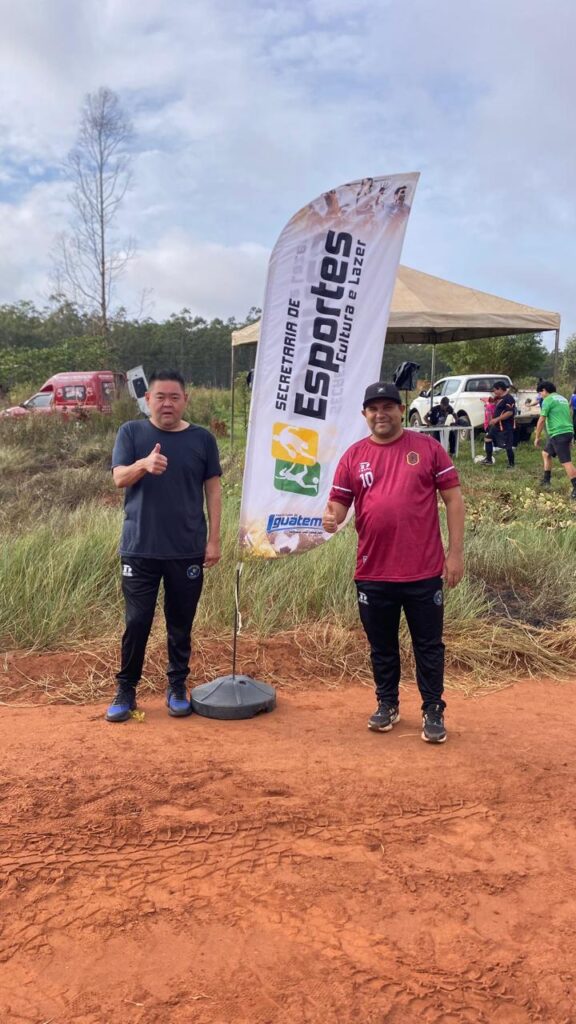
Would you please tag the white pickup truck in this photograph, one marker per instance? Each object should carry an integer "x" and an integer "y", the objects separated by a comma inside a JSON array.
[{"x": 465, "y": 394}]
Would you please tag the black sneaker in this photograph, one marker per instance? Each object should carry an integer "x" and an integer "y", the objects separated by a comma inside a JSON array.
[
  {"x": 177, "y": 701},
  {"x": 433, "y": 730},
  {"x": 123, "y": 703},
  {"x": 384, "y": 718},
  {"x": 545, "y": 484},
  {"x": 486, "y": 462}
]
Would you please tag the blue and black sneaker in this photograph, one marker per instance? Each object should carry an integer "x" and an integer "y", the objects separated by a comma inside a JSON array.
[
  {"x": 177, "y": 701},
  {"x": 384, "y": 718},
  {"x": 433, "y": 728},
  {"x": 124, "y": 702}
]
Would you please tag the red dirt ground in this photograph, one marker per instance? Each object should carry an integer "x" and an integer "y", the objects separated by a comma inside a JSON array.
[{"x": 292, "y": 869}]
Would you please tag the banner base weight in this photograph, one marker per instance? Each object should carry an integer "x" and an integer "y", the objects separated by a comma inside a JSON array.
[{"x": 233, "y": 697}]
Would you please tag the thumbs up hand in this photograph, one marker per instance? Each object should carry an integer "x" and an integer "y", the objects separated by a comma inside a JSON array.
[
  {"x": 156, "y": 463},
  {"x": 329, "y": 520}
]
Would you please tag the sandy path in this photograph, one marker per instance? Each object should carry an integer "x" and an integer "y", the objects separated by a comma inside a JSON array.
[{"x": 294, "y": 868}]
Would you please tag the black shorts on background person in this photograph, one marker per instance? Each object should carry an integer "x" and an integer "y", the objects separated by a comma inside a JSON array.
[{"x": 500, "y": 431}]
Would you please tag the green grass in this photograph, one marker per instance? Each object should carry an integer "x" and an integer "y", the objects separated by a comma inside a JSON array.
[
  {"x": 58, "y": 581},
  {"x": 60, "y": 519}
]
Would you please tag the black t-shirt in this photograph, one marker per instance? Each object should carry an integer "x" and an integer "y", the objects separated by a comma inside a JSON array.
[
  {"x": 505, "y": 404},
  {"x": 164, "y": 515},
  {"x": 438, "y": 414}
]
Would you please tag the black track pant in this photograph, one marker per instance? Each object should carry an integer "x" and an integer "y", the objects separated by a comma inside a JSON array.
[
  {"x": 380, "y": 605},
  {"x": 141, "y": 578},
  {"x": 503, "y": 439}
]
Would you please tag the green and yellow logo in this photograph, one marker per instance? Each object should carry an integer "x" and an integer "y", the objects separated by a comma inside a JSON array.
[{"x": 295, "y": 450}]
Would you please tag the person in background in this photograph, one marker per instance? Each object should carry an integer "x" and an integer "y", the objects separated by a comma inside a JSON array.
[
  {"x": 501, "y": 425},
  {"x": 573, "y": 408},
  {"x": 393, "y": 478},
  {"x": 489, "y": 407},
  {"x": 438, "y": 416},
  {"x": 168, "y": 468},
  {"x": 556, "y": 416}
]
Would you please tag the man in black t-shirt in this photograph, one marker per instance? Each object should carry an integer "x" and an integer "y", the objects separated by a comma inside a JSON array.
[
  {"x": 168, "y": 468},
  {"x": 501, "y": 427},
  {"x": 438, "y": 416}
]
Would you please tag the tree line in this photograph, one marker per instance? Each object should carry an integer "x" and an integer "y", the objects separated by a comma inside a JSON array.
[{"x": 36, "y": 343}]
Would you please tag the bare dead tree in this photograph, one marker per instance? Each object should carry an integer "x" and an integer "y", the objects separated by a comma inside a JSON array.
[{"x": 88, "y": 259}]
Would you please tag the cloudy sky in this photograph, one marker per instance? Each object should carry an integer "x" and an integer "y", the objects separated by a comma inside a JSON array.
[{"x": 244, "y": 111}]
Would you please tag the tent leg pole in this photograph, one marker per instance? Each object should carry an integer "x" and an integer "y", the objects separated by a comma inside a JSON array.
[
  {"x": 433, "y": 375},
  {"x": 556, "y": 354},
  {"x": 232, "y": 385}
]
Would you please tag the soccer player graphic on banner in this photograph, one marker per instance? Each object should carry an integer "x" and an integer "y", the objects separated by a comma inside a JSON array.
[{"x": 392, "y": 478}]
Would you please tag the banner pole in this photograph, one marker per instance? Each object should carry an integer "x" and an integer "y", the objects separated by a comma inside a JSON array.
[
  {"x": 233, "y": 696},
  {"x": 232, "y": 402},
  {"x": 237, "y": 617}
]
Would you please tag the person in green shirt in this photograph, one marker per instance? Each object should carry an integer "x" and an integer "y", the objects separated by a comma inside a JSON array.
[{"x": 555, "y": 414}]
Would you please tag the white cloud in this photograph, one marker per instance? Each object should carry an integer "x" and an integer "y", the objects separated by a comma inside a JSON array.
[
  {"x": 27, "y": 233},
  {"x": 245, "y": 110},
  {"x": 211, "y": 280}
]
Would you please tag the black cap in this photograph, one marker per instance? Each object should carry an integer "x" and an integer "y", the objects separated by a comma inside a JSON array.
[{"x": 381, "y": 389}]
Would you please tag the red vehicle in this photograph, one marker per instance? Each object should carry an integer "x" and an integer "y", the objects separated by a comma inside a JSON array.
[{"x": 73, "y": 393}]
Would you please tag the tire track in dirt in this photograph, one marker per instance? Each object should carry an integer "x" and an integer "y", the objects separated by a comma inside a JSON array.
[
  {"x": 281, "y": 882},
  {"x": 215, "y": 856},
  {"x": 212, "y": 857},
  {"x": 118, "y": 839}
]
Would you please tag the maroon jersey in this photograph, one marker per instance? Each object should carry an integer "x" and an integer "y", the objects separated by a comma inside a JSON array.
[{"x": 393, "y": 488}]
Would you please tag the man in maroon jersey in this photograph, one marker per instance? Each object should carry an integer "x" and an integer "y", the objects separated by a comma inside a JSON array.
[{"x": 392, "y": 478}]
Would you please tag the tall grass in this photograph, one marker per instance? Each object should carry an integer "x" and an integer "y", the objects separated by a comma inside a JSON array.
[
  {"x": 58, "y": 581},
  {"x": 281, "y": 593},
  {"x": 60, "y": 520},
  {"x": 208, "y": 404},
  {"x": 532, "y": 571}
]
